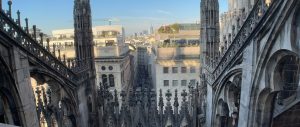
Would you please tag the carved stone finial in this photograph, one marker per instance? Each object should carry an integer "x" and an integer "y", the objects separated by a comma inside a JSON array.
[
  {"x": 107, "y": 95},
  {"x": 9, "y": 7},
  {"x": 176, "y": 104},
  {"x": 168, "y": 95},
  {"x": 184, "y": 95},
  {"x": 42, "y": 39},
  {"x": 27, "y": 26},
  {"x": 116, "y": 98},
  {"x": 59, "y": 58},
  {"x": 19, "y": 18},
  {"x": 69, "y": 64},
  {"x": 48, "y": 44},
  {"x": 161, "y": 101},
  {"x": 34, "y": 32},
  {"x": 54, "y": 46},
  {"x": 73, "y": 64},
  {"x": 64, "y": 59}
]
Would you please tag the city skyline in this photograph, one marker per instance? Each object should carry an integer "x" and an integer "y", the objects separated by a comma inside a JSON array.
[
  {"x": 237, "y": 67},
  {"x": 134, "y": 15}
]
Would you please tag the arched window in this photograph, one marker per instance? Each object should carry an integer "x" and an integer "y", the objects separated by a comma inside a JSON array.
[
  {"x": 104, "y": 80},
  {"x": 111, "y": 80},
  {"x": 5, "y": 112},
  {"x": 222, "y": 114},
  {"x": 90, "y": 106},
  {"x": 297, "y": 24},
  {"x": 288, "y": 69}
]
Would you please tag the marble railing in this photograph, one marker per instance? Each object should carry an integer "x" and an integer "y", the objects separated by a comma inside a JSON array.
[
  {"x": 240, "y": 41},
  {"x": 23, "y": 40}
]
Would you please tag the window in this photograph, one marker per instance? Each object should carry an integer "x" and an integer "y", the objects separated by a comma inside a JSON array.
[
  {"x": 183, "y": 82},
  {"x": 166, "y": 70},
  {"x": 183, "y": 69},
  {"x": 110, "y": 68},
  {"x": 104, "y": 80},
  {"x": 103, "y": 68},
  {"x": 193, "y": 69},
  {"x": 175, "y": 83},
  {"x": 111, "y": 80},
  {"x": 122, "y": 77},
  {"x": 174, "y": 69},
  {"x": 166, "y": 82},
  {"x": 193, "y": 82},
  {"x": 288, "y": 77}
]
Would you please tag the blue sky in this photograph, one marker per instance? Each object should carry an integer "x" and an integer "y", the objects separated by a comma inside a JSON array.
[{"x": 134, "y": 15}]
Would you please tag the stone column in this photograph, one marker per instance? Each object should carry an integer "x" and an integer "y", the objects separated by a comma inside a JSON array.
[
  {"x": 82, "y": 106},
  {"x": 210, "y": 106},
  {"x": 0, "y": 5},
  {"x": 22, "y": 77},
  {"x": 246, "y": 87}
]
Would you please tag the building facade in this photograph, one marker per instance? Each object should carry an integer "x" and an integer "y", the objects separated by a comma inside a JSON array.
[
  {"x": 175, "y": 68},
  {"x": 184, "y": 33},
  {"x": 252, "y": 77},
  {"x": 114, "y": 69},
  {"x": 62, "y": 40},
  {"x": 112, "y": 58}
]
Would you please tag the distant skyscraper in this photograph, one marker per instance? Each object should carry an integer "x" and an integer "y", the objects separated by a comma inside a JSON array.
[
  {"x": 135, "y": 35},
  {"x": 151, "y": 30}
]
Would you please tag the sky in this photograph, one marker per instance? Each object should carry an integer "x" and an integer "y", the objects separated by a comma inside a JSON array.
[{"x": 134, "y": 15}]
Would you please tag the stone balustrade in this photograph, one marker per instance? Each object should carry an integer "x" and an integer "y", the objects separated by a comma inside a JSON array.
[{"x": 32, "y": 47}]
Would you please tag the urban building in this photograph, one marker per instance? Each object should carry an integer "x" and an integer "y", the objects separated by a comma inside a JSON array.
[
  {"x": 114, "y": 67},
  {"x": 63, "y": 40},
  {"x": 175, "y": 58},
  {"x": 151, "y": 30},
  {"x": 175, "y": 68},
  {"x": 250, "y": 73},
  {"x": 112, "y": 55},
  {"x": 143, "y": 68},
  {"x": 187, "y": 33}
]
